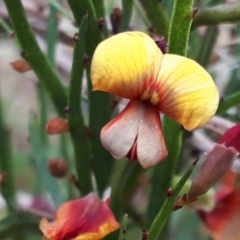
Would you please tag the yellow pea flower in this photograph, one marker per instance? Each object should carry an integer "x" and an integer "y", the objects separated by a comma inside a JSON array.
[
  {"x": 87, "y": 218},
  {"x": 131, "y": 66}
]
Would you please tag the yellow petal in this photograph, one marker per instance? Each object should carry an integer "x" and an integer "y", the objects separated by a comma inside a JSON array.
[
  {"x": 187, "y": 92},
  {"x": 123, "y": 63},
  {"x": 87, "y": 218}
]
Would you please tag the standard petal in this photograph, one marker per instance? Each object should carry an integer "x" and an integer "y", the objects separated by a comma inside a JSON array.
[
  {"x": 122, "y": 63},
  {"x": 120, "y": 133},
  {"x": 151, "y": 148},
  {"x": 86, "y": 218},
  {"x": 187, "y": 92}
]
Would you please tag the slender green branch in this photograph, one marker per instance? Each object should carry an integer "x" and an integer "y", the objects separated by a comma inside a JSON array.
[
  {"x": 234, "y": 82},
  {"x": 40, "y": 156},
  {"x": 229, "y": 102},
  {"x": 100, "y": 13},
  {"x": 60, "y": 9},
  {"x": 5, "y": 26},
  {"x": 157, "y": 15},
  {"x": 35, "y": 56},
  {"x": 167, "y": 207},
  {"x": 207, "y": 45},
  {"x": 123, "y": 231},
  {"x": 141, "y": 13},
  {"x": 180, "y": 24},
  {"x": 52, "y": 37},
  {"x": 127, "y": 8},
  {"x": 76, "y": 120},
  {"x": 224, "y": 13},
  {"x": 94, "y": 35},
  {"x": 52, "y": 34},
  {"x": 215, "y": 2},
  {"x": 6, "y": 164},
  {"x": 19, "y": 222},
  {"x": 194, "y": 43},
  {"x": 99, "y": 102},
  {"x": 99, "y": 8},
  {"x": 168, "y": 4}
]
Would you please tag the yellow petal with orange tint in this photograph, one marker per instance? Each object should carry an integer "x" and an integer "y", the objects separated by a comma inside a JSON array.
[
  {"x": 122, "y": 64},
  {"x": 187, "y": 92},
  {"x": 87, "y": 218}
]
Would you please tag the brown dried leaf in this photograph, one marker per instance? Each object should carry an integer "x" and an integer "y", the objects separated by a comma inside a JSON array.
[
  {"x": 57, "y": 126},
  {"x": 21, "y": 66}
]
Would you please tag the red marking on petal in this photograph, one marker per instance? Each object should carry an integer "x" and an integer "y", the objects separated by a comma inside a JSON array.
[
  {"x": 85, "y": 218},
  {"x": 132, "y": 154},
  {"x": 150, "y": 92},
  {"x": 231, "y": 138}
]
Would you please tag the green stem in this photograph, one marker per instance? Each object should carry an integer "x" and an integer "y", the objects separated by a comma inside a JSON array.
[
  {"x": 43, "y": 104},
  {"x": 5, "y": 26},
  {"x": 19, "y": 222},
  {"x": 6, "y": 165},
  {"x": 99, "y": 102},
  {"x": 224, "y": 13},
  {"x": 168, "y": 5},
  {"x": 34, "y": 56},
  {"x": 215, "y": 2},
  {"x": 234, "y": 82},
  {"x": 100, "y": 13},
  {"x": 180, "y": 24},
  {"x": 167, "y": 207},
  {"x": 59, "y": 8},
  {"x": 163, "y": 172},
  {"x": 99, "y": 8},
  {"x": 41, "y": 155},
  {"x": 123, "y": 230},
  {"x": 207, "y": 45},
  {"x": 52, "y": 34},
  {"x": 127, "y": 8},
  {"x": 229, "y": 102},
  {"x": 76, "y": 120},
  {"x": 157, "y": 15},
  {"x": 141, "y": 13}
]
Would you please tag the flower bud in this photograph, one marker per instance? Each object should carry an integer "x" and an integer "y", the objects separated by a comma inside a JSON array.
[
  {"x": 57, "y": 167},
  {"x": 57, "y": 126},
  {"x": 216, "y": 165}
]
